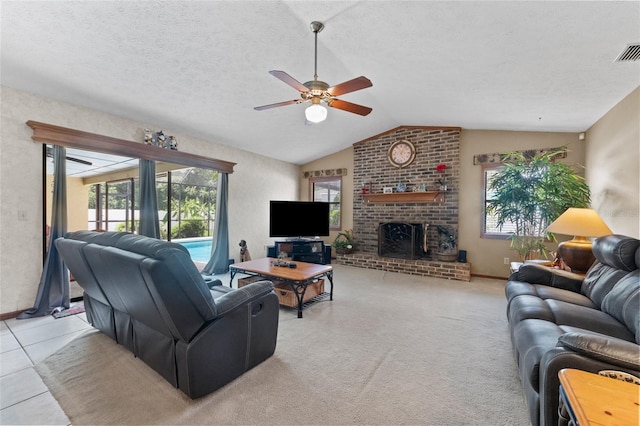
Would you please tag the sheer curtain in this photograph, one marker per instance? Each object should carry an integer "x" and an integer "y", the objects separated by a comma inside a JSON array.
[
  {"x": 149, "y": 224},
  {"x": 219, "y": 262},
  {"x": 53, "y": 292}
]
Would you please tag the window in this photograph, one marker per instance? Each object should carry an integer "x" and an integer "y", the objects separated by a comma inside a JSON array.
[
  {"x": 186, "y": 203},
  {"x": 112, "y": 206},
  {"x": 328, "y": 189},
  {"x": 190, "y": 202},
  {"x": 490, "y": 228}
]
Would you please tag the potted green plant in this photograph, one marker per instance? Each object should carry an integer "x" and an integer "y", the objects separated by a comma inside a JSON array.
[
  {"x": 529, "y": 193},
  {"x": 344, "y": 242}
]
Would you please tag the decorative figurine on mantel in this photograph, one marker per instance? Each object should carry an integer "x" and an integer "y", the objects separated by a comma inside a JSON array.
[
  {"x": 148, "y": 137},
  {"x": 173, "y": 143},
  {"x": 160, "y": 140}
]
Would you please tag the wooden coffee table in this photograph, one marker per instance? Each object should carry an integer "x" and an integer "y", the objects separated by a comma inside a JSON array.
[{"x": 297, "y": 278}]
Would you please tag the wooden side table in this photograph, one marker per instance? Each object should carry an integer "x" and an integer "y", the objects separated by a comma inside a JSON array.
[
  {"x": 514, "y": 266},
  {"x": 591, "y": 399}
]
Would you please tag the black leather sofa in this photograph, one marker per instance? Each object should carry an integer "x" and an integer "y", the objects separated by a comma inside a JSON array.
[
  {"x": 562, "y": 320},
  {"x": 148, "y": 296}
]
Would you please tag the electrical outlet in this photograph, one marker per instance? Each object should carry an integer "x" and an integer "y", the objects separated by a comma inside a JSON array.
[{"x": 506, "y": 261}]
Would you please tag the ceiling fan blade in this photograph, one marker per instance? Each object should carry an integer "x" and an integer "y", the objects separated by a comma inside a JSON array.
[
  {"x": 77, "y": 160},
  {"x": 357, "y": 83},
  {"x": 350, "y": 107},
  {"x": 289, "y": 80},
  {"x": 279, "y": 104}
]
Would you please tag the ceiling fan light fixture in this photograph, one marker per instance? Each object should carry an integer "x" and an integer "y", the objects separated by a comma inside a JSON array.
[{"x": 315, "y": 113}]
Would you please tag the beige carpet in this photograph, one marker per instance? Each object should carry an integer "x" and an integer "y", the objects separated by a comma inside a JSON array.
[{"x": 389, "y": 349}]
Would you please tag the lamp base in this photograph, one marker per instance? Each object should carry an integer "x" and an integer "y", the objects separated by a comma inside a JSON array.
[{"x": 577, "y": 254}]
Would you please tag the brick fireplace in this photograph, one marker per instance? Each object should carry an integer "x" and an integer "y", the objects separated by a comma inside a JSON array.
[{"x": 373, "y": 171}]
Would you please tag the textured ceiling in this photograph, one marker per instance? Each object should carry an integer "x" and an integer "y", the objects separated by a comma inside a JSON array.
[{"x": 200, "y": 67}]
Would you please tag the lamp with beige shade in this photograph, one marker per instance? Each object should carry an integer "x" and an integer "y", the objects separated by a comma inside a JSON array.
[{"x": 582, "y": 224}]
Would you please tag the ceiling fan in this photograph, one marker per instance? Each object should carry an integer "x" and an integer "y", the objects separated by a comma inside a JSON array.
[{"x": 318, "y": 92}]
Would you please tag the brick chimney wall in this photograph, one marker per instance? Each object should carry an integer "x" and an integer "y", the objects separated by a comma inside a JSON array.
[{"x": 371, "y": 167}]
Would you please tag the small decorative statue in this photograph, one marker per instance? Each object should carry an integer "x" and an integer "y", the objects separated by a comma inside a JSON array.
[
  {"x": 148, "y": 137},
  {"x": 162, "y": 139},
  {"x": 173, "y": 143},
  {"x": 244, "y": 251},
  {"x": 447, "y": 243}
]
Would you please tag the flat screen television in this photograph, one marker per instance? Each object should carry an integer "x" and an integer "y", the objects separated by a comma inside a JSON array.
[{"x": 297, "y": 219}]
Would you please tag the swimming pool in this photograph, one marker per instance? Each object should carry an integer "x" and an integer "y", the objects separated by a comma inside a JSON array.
[{"x": 199, "y": 248}]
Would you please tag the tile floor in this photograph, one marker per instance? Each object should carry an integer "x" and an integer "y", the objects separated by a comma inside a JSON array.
[{"x": 24, "y": 398}]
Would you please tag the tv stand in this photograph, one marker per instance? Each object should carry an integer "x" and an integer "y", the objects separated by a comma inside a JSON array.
[{"x": 303, "y": 250}]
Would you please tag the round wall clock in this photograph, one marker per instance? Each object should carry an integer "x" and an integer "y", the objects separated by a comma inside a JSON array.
[{"x": 401, "y": 153}]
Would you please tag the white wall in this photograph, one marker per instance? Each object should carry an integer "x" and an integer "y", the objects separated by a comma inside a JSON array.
[{"x": 255, "y": 181}]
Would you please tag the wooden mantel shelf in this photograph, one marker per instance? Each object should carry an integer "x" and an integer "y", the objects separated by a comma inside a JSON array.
[
  {"x": 49, "y": 133},
  {"x": 405, "y": 197}
]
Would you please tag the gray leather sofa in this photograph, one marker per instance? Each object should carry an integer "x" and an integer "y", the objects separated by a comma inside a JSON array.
[
  {"x": 148, "y": 296},
  {"x": 562, "y": 320}
]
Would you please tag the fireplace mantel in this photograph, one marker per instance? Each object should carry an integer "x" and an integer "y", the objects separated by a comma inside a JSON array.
[{"x": 405, "y": 197}]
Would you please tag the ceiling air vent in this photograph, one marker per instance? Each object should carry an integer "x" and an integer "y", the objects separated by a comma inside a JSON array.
[{"x": 630, "y": 53}]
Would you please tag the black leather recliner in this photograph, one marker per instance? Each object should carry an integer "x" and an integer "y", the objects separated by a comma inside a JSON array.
[
  {"x": 148, "y": 295},
  {"x": 562, "y": 320}
]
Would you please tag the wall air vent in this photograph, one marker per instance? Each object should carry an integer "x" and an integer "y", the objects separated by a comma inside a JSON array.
[{"x": 630, "y": 53}]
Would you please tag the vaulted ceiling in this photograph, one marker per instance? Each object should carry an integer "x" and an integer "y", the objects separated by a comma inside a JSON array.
[{"x": 200, "y": 67}]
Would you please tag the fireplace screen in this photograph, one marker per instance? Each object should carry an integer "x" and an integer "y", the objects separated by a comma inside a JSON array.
[{"x": 401, "y": 240}]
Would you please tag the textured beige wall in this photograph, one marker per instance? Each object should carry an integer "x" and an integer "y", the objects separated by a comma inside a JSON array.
[
  {"x": 613, "y": 158},
  {"x": 255, "y": 181},
  {"x": 340, "y": 160},
  {"x": 486, "y": 255}
]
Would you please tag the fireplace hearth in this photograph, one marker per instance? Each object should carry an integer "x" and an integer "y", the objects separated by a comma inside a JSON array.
[{"x": 401, "y": 240}]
